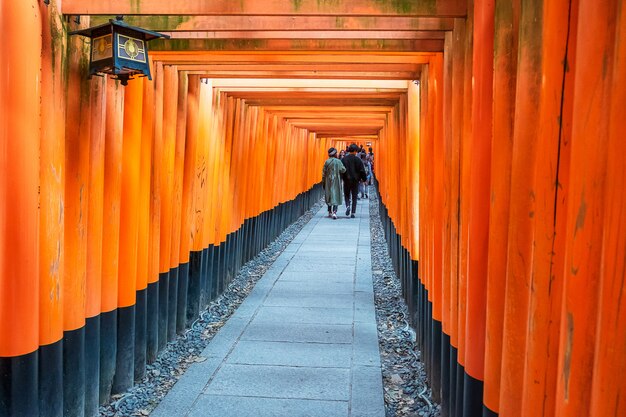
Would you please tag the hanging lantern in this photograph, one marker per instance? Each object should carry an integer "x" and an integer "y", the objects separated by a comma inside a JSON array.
[{"x": 119, "y": 49}]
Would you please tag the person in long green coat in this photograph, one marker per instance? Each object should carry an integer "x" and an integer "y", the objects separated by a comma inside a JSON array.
[{"x": 331, "y": 181}]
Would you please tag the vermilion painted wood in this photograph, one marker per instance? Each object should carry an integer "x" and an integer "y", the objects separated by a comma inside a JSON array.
[
  {"x": 190, "y": 159},
  {"x": 144, "y": 198},
  {"x": 446, "y": 181},
  {"x": 586, "y": 205},
  {"x": 95, "y": 224},
  {"x": 170, "y": 112},
  {"x": 553, "y": 144},
  {"x": 20, "y": 90},
  {"x": 52, "y": 180},
  {"x": 130, "y": 189},
  {"x": 523, "y": 205},
  {"x": 453, "y": 8},
  {"x": 273, "y": 22},
  {"x": 479, "y": 182},
  {"x": 113, "y": 141},
  {"x": 156, "y": 176},
  {"x": 465, "y": 187},
  {"x": 305, "y": 34},
  {"x": 76, "y": 185},
  {"x": 458, "y": 64},
  {"x": 179, "y": 165},
  {"x": 504, "y": 88},
  {"x": 607, "y": 386}
]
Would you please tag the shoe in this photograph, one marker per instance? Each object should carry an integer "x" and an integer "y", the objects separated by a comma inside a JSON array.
[
  {"x": 352, "y": 216},
  {"x": 334, "y": 216},
  {"x": 348, "y": 211},
  {"x": 330, "y": 214}
]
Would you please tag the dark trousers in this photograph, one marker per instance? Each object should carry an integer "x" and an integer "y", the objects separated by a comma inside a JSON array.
[
  {"x": 350, "y": 193},
  {"x": 332, "y": 209}
]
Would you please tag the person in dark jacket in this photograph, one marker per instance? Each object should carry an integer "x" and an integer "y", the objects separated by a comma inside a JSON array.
[{"x": 355, "y": 172}]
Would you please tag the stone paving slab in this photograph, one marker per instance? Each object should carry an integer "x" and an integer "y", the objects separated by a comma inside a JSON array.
[
  {"x": 318, "y": 355},
  {"x": 312, "y": 276},
  {"x": 282, "y": 382},
  {"x": 296, "y": 299},
  {"x": 315, "y": 287},
  {"x": 220, "y": 405},
  {"x": 303, "y": 343},
  {"x": 305, "y": 315},
  {"x": 298, "y": 332}
]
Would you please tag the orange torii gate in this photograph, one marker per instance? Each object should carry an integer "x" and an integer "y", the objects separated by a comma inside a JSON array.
[{"x": 124, "y": 211}]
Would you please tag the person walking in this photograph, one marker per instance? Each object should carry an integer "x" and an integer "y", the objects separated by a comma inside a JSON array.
[
  {"x": 363, "y": 185},
  {"x": 331, "y": 181},
  {"x": 355, "y": 172}
]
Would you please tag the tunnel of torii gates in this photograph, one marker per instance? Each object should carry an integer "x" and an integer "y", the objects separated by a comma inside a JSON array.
[{"x": 499, "y": 139}]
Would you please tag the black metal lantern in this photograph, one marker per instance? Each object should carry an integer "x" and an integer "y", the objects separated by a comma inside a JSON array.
[{"x": 119, "y": 49}]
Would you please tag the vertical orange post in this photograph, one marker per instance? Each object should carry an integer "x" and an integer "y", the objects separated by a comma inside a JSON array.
[
  {"x": 76, "y": 217},
  {"x": 586, "y": 205},
  {"x": 522, "y": 210},
  {"x": 178, "y": 279},
  {"x": 187, "y": 231},
  {"x": 458, "y": 63},
  {"x": 504, "y": 83},
  {"x": 51, "y": 197},
  {"x": 449, "y": 206},
  {"x": 436, "y": 94},
  {"x": 96, "y": 194},
  {"x": 465, "y": 190},
  {"x": 113, "y": 142},
  {"x": 93, "y": 285},
  {"x": 154, "y": 241},
  {"x": 143, "y": 231},
  {"x": 425, "y": 211},
  {"x": 129, "y": 222},
  {"x": 170, "y": 103},
  {"x": 551, "y": 183},
  {"x": 482, "y": 69},
  {"x": 608, "y": 388},
  {"x": 20, "y": 89}
]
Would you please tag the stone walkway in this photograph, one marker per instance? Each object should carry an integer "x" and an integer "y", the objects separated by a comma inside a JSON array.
[{"x": 304, "y": 342}]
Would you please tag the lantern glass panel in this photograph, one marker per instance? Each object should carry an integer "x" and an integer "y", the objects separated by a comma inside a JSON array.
[
  {"x": 102, "y": 48},
  {"x": 131, "y": 48}
]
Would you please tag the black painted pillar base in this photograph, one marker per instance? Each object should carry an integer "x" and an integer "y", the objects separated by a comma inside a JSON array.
[
  {"x": 460, "y": 373},
  {"x": 125, "y": 358},
  {"x": 141, "y": 323},
  {"x": 181, "y": 303},
  {"x": 164, "y": 289},
  {"x": 472, "y": 397},
  {"x": 152, "y": 322},
  {"x": 50, "y": 379},
  {"x": 453, "y": 370},
  {"x": 445, "y": 375},
  {"x": 18, "y": 385},
  {"x": 74, "y": 373},
  {"x": 488, "y": 413},
  {"x": 92, "y": 366},
  {"x": 435, "y": 376},
  {"x": 172, "y": 304},
  {"x": 194, "y": 287},
  {"x": 108, "y": 353}
]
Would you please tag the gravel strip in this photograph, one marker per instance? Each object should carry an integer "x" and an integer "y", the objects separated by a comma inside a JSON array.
[
  {"x": 185, "y": 350},
  {"x": 404, "y": 377}
]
